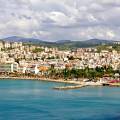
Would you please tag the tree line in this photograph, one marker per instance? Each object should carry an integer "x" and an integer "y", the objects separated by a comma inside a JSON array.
[{"x": 90, "y": 73}]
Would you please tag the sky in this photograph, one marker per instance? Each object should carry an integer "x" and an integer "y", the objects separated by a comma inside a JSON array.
[{"x": 53, "y": 20}]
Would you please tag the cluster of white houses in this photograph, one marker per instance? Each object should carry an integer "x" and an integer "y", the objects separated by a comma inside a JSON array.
[
  {"x": 5, "y": 45},
  {"x": 22, "y": 58}
]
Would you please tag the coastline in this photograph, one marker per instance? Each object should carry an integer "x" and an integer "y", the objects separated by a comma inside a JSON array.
[
  {"x": 44, "y": 79},
  {"x": 76, "y": 83}
]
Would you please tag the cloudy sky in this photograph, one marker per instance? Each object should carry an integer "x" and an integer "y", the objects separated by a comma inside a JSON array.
[{"x": 60, "y": 19}]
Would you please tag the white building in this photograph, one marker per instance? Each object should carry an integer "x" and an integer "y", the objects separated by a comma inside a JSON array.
[{"x": 8, "y": 67}]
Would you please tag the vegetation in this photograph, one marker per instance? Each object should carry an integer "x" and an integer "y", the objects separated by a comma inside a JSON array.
[
  {"x": 108, "y": 48},
  {"x": 68, "y": 44},
  {"x": 7, "y": 49},
  {"x": 71, "y": 74},
  {"x": 89, "y": 73},
  {"x": 37, "y": 50},
  {"x": 103, "y": 47},
  {"x": 116, "y": 47}
]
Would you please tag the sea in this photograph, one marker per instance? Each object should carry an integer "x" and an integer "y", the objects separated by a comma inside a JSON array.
[{"x": 37, "y": 100}]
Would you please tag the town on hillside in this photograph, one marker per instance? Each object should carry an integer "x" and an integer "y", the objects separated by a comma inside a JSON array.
[{"x": 27, "y": 60}]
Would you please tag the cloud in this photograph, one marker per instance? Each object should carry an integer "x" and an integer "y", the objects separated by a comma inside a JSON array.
[{"x": 55, "y": 19}]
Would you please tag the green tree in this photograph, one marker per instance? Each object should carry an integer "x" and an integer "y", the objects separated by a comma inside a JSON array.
[
  {"x": 36, "y": 50},
  {"x": 66, "y": 73}
]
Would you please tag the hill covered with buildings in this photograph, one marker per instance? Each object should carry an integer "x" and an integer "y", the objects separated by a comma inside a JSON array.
[{"x": 21, "y": 59}]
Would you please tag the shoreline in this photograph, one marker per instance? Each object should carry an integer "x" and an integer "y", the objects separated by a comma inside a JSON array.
[
  {"x": 43, "y": 79},
  {"x": 76, "y": 83}
]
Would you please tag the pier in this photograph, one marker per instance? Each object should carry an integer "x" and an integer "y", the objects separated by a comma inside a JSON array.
[{"x": 69, "y": 87}]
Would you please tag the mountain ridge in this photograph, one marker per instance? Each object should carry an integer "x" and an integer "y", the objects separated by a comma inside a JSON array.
[{"x": 59, "y": 43}]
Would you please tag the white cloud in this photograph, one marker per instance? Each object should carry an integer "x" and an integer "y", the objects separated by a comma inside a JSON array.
[
  {"x": 110, "y": 34},
  {"x": 60, "y": 19}
]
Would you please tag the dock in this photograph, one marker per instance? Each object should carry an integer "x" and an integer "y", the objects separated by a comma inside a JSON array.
[{"x": 69, "y": 87}]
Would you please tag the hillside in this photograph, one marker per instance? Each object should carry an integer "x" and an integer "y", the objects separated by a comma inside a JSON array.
[{"x": 62, "y": 44}]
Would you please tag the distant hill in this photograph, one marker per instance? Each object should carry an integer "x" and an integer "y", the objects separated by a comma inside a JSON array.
[
  {"x": 98, "y": 41},
  {"x": 60, "y": 43},
  {"x": 21, "y": 39},
  {"x": 83, "y": 44},
  {"x": 63, "y": 41}
]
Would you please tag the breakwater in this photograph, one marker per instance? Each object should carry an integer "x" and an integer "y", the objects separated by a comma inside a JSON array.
[{"x": 68, "y": 87}]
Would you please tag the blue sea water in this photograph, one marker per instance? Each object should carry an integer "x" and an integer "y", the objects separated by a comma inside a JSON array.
[{"x": 36, "y": 100}]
